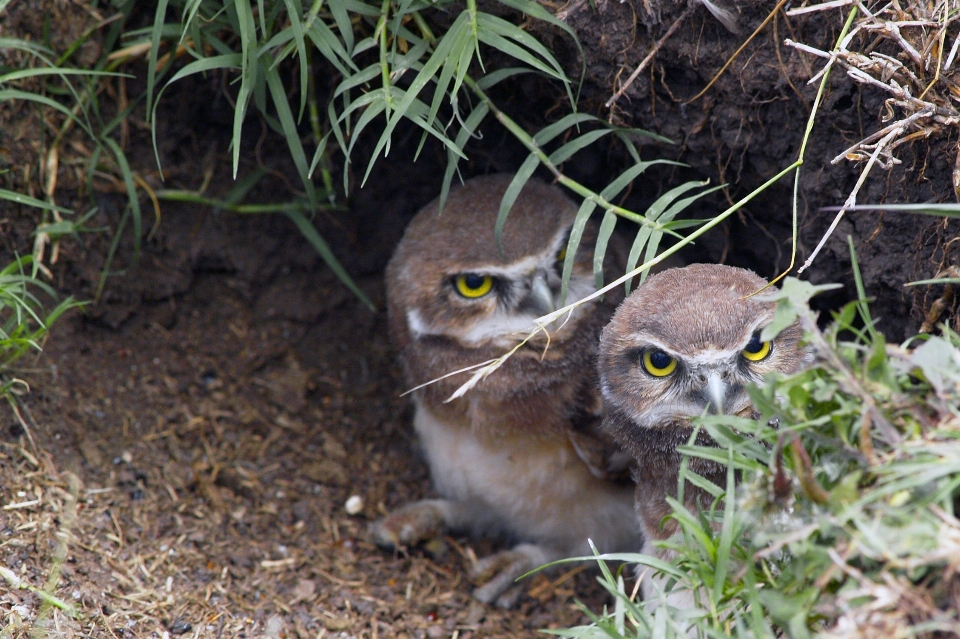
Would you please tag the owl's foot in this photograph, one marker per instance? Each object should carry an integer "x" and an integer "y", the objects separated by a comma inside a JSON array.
[
  {"x": 411, "y": 524},
  {"x": 501, "y": 570},
  {"x": 653, "y": 586}
]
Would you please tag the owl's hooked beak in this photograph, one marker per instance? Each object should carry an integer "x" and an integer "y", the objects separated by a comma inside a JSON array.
[
  {"x": 540, "y": 299},
  {"x": 716, "y": 391}
]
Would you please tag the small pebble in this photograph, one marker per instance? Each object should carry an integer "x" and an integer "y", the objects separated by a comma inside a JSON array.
[{"x": 354, "y": 505}]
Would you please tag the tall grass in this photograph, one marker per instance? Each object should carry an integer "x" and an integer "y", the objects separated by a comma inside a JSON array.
[{"x": 392, "y": 66}]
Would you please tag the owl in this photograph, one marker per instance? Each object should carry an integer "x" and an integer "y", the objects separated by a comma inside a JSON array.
[
  {"x": 520, "y": 456},
  {"x": 685, "y": 343}
]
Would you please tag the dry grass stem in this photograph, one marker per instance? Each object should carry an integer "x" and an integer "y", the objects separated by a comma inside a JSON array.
[
  {"x": 835, "y": 4},
  {"x": 895, "y": 50}
]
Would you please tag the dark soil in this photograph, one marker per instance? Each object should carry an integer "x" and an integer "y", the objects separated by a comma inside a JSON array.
[
  {"x": 749, "y": 125},
  {"x": 226, "y": 395},
  {"x": 219, "y": 409}
]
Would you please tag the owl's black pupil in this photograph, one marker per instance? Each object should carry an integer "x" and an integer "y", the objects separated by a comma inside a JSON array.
[
  {"x": 472, "y": 280},
  {"x": 659, "y": 359},
  {"x": 755, "y": 345}
]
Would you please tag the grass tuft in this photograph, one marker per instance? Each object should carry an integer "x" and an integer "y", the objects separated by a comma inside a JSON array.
[{"x": 843, "y": 522}]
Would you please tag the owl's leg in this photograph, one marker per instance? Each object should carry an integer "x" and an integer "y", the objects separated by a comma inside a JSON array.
[
  {"x": 430, "y": 518},
  {"x": 651, "y": 586},
  {"x": 419, "y": 521},
  {"x": 501, "y": 571},
  {"x": 651, "y": 511}
]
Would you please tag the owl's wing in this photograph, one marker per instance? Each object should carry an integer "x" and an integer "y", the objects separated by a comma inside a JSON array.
[
  {"x": 604, "y": 459},
  {"x": 595, "y": 447}
]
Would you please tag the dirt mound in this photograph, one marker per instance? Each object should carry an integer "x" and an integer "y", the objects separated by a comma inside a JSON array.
[{"x": 750, "y": 124}]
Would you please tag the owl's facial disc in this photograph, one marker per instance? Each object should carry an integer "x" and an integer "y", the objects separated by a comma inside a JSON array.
[{"x": 688, "y": 385}]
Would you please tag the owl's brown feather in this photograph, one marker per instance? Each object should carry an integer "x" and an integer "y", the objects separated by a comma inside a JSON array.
[
  {"x": 521, "y": 454},
  {"x": 703, "y": 318}
]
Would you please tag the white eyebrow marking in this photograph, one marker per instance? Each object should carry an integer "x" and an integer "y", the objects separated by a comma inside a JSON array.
[
  {"x": 649, "y": 339},
  {"x": 706, "y": 355},
  {"x": 510, "y": 271},
  {"x": 526, "y": 265}
]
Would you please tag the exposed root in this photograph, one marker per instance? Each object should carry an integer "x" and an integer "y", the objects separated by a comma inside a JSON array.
[
  {"x": 646, "y": 61},
  {"x": 896, "y": 50}
]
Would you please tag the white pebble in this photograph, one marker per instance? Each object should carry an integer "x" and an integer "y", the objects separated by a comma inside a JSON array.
[{"x": 354, "y": 505}]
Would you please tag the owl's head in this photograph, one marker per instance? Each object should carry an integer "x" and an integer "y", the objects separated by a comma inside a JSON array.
[
  {"x": 688, "y": 342},
  {"x": 448, "y": 278}
]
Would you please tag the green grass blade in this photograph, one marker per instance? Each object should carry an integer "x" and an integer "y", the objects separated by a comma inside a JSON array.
[
  {"x": 330, "y": 48},
  {"x": 495, "y": 77},
  {"x": 585, "y": 211},
  {"x": 310, "y": 232},
  {"x": 633, "y": 258},
  {"x": 343, "y": 22},
  {"x": 603, "y": 238},
  {"x": 938, "y": 280},
  {"x": 547, "y": 133},
  {"x": 26, "y": 200},
  {"x": 536, "y": 11},
  {"x": 285, "y": 115},
  {"x": 248, "y": 74},
  {"x": 229, "y": 61},
  {"x": 580, "y": 142},
  {"x": 940, "y": 210},
  {"x": 862, "y": 305},
  {"x": 573, "y": 243},
  {"x": 511, "y": 194},
  {"x": 33, "y": 73},
  {"x": 293, "y": 14},
  {"x": 16, "y": 94},
  {"x": 402, "y": 108},
  {"x": 158, "y": 20},
  {"x": 131, "y": 188},
  {"x": 453, "y": 160},
  {"x": 726, "y": 531}
]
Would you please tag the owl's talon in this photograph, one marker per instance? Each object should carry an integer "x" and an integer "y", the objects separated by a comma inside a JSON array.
[
  {"x": 505, "y": 568},
  {"x": 509, "y": 599},
  {"x": 436, "y": 548},
  {"x": 408, "y": 526}
]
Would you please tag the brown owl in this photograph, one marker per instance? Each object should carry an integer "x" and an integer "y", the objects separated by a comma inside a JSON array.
[
  {"x": 685, "y": 343},
  {"x": 521, "y": 454}
]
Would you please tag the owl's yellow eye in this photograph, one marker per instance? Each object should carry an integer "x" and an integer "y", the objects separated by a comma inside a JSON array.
[
  {"x": 756, "y": 350},
  {"x": 562, "y": 254},
  {"x": 658, "y": 363},
  {"x": 472, "y": 286}
]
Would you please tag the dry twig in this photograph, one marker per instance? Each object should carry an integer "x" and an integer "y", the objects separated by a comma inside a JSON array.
[{"x": 902, "y": 45}]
